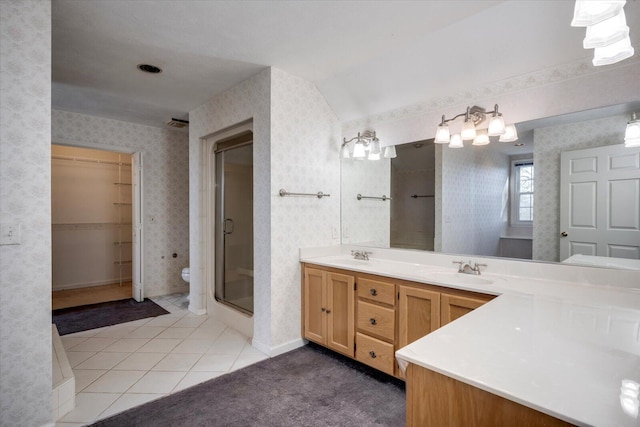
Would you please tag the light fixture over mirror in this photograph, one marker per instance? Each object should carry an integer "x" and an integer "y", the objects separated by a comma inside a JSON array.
[
  {"x": 632, "y": 133},
  {"x": 366, "y": 145},
  {"x": 473, "y": 117}
]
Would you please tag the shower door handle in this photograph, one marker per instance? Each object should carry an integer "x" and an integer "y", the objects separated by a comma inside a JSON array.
[{"x": 225, "y": 229}]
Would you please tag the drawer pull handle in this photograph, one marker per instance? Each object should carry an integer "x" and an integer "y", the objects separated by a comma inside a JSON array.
[
  {"x": 373, "y": 292},
  {"x": 328, "y": 311},
  {"x": 373, "y": 321},
  {"x": 373, "y": 354},
  {"x": 323, "y": 309}
]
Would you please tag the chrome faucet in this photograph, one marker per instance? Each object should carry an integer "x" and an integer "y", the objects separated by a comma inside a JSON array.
[
  {"x": 362, "y": 255},
  {"x": 468, "y": 268}
]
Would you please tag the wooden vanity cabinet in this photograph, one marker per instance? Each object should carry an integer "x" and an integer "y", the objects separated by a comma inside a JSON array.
[
  {"x": 328, "y": 302},
  {"x": 456, "y": 306},
  {"x": 376, "y": 323}
]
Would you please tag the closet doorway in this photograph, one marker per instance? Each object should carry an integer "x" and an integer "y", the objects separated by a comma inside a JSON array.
[{"x": 95, "y": 212}]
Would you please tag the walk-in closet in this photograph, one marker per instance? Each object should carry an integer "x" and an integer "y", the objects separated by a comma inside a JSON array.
[{"x": 91, "y": 211}]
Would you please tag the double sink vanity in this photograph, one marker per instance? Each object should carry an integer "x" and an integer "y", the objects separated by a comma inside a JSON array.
[{"x": 520, "y": 343}]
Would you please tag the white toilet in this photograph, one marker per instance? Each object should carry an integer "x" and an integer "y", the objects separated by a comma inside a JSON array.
[{"x": 185, "y": 277}]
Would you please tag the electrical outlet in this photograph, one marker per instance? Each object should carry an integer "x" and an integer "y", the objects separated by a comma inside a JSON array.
[{"x": 10, "y": 234}]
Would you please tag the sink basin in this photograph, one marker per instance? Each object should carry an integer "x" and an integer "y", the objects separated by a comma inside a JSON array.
[{"x": 456, "y": 278}]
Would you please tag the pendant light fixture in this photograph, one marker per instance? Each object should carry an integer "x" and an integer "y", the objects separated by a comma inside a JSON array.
[
  {"x": 366, "y": 145},
  {"x": 470, "y": 130},
  {"x": 607, "y": 31}
]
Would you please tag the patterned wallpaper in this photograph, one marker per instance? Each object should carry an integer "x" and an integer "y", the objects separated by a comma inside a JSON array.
[
  {"x": 296, "y": 140},
  {"x": 474, "y": 204},
  {"x": 366, "y": 221},
  {"x": 548, "y": 144},
  {"x": 25, "y": 199},
  {"x": 165, "y": 187}
]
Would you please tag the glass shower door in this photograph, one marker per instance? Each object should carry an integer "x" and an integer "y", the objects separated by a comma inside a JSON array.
[{"x": 234, "y": 227}]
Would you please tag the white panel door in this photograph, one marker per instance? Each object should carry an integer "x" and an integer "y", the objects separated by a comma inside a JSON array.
[
  {"x": 137, "y": 290},
  {"x": 600, "y": 202}
]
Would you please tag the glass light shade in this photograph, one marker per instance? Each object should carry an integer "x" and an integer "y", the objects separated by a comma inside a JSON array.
[
  {"x": 510, "y": 134},
  {"x": 456, "y": 141},
  {"x": 345, "y": 151},
  {"x": 590, "y": 12},
  {"x": 390, "y": 152},
  {"x": 358, "y": 151},
  {"x": 496, "y": 126},
  {"x": 468, "y": 130},
  {"x": 442, "y": 134},
  {"x": 606, "y": 32},
  {"x": 374, "y": 156},
  {"x": 613, "y": 53},
  {"x": 482, "y": 138},
  {"x": 374, "y": 148},
  {"x": 632, "y": 134}
]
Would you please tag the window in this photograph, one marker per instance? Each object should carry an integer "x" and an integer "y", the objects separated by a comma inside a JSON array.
[{"x": 522, "y": 192}]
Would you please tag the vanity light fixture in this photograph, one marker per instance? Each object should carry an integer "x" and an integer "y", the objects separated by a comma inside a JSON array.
[
  {"x": 632, "y": 133},
  {"x": 366, "y": 146},
  {"x": 473, "y": 117},
  {"x": 607, "y": 31}
]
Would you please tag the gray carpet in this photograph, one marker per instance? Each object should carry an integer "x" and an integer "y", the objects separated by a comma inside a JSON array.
[
  {"x": 309, "y": 386},
  {"x": 93, "y": 316}
]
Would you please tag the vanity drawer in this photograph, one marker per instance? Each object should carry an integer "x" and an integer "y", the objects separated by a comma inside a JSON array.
[
  {"x": 374, "y": 290},
  {"x": 376, "y": 320},
  {"x": 375, "y": 353}
]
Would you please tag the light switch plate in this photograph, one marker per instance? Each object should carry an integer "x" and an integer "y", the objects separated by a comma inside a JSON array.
[{"x": 9, "y": 234}]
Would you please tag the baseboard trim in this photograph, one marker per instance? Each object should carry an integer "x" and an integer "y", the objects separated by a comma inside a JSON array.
[{"x": 287, "y": 347}]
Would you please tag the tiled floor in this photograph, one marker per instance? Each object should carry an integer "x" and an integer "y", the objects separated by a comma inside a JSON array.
[{"x": 126, "y": 365}]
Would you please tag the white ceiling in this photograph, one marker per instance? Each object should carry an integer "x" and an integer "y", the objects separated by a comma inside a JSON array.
[{"x": 365, "y": 57}]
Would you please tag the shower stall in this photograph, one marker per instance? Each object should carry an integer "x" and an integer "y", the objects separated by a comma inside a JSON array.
[{"x": 234, "y": 222}]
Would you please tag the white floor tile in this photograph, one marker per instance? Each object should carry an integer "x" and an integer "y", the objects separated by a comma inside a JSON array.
[
  {"x": 103, "y": 360},
  {"x": 177, "y": 362},
  {"x": 140, "y": 361},
  {"x": 190, "y": 322},
  {"x": 146, "y": 332},
  {"x": 157, "y": 382},
  {"x": 127, "y": 345},
  {"x": 116, "y": 331},
  {"x": 69, "y": 342},
  {"x": 84, "y": 377},
  {"x": 61, "y": 424},
  {"x": 172, "y": 332},
  {"x": 89, "y": 406},
  {"x": 227, "y": 347},
  {"x": 115, "y": 382},
  {"x": 163, "y": 320},
  {"x": 138, "y": 323},
  {"x": 214, "y": 362},
  {"x": 94, "y": 344},
  {"x": 77, "y": 357},
  {"x": 193, "y": 378},
  {"x": 245, "y": 360},
  {"x": 159, "y": 345},
  {"x": 86, "y": 334},
  {"x": 206, "y": 333},
  {"x": 128, "y": 401},
  {"x": 193, "y": 346}
]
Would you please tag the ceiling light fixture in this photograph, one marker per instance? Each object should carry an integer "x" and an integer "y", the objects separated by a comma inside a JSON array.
[
  {"x": 473, "y": 117},
  {"x": 607, "y": 31},
  {"x": 366, "y": 145},
  {"x": 148, "y": 68},
  {"x": 632, "y": 133}
]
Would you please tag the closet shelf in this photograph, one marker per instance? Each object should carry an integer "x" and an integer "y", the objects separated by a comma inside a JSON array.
[
  {"x": 123, "y": 262},
  {"x": 122, "y": 183},
  {"x": 122, "y": 243},
  {"x": 121, "y": 204}
]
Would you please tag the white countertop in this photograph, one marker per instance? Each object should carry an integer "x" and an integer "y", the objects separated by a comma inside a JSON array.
[{"x": 558, "y": 346}]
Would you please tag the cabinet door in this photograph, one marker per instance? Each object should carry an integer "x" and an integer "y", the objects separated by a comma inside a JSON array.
[
  {"x": 315, "y": 305},
  {"x": 454, "y": 306},
  {"x": 419, "y": 313},
  {"x": 340, "y": 313}
]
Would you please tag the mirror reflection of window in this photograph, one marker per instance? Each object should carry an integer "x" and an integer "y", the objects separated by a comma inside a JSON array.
[{"x": 522, "y": 192}]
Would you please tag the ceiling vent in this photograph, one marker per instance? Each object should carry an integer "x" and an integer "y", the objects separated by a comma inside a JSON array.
[{"x": 177, "y": 123}]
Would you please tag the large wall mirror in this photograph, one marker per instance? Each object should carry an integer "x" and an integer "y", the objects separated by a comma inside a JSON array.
[{"x": 465, "y": 201}]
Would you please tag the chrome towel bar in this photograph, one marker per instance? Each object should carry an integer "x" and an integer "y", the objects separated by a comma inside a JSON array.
[
  {"x": 383, "y": 198},
  {"x": 319, "y": 194}
]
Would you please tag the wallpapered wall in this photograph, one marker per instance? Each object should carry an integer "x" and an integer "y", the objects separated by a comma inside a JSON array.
[
  {"x": 25, "y": 199},
  {"x": 165, "y": 187},
  {"x": 365, "y": 221},
  {"x": 548, "y": 144},
  {"x": 296, "y": 140},
  {"x": 474, "y": 200}
]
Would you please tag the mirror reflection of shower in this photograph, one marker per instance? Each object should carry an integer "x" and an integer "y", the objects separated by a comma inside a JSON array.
[
  {"x": 234, "y": 222},
  {"x": 413, "y": 196}
]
